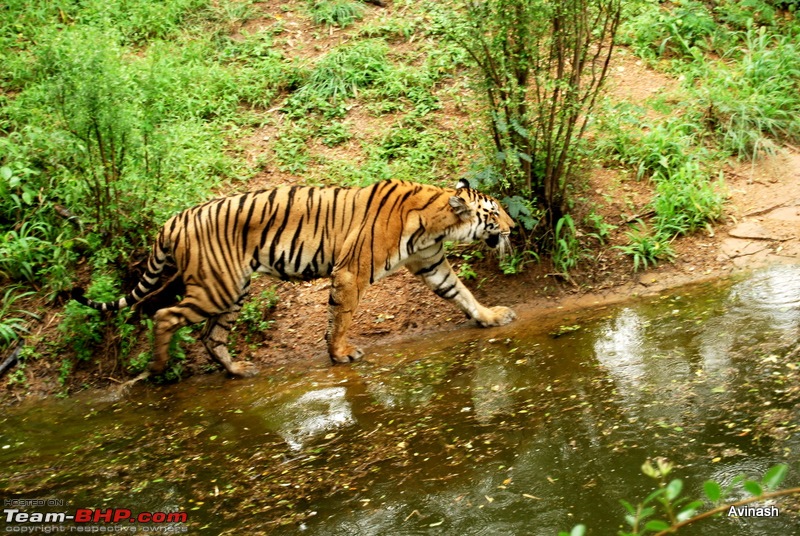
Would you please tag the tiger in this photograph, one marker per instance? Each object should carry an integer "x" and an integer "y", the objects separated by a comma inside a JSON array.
[{"x": 354, "y": 235}]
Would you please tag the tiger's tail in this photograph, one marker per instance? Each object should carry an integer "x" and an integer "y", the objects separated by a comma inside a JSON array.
[{"x": 148, "y": 282}]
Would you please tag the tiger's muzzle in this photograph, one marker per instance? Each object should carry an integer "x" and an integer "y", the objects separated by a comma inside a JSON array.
[{"x": 500, "y": 243}]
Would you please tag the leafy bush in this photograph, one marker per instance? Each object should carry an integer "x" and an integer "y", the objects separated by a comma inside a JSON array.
[
  {"x": 260, "y": 71},
  {"x": 646, "y": 248},
  {"x": 755, "y": 99},
  {"x": 686, "y": 201},
  {"x": 13, "y": 320},
  {"x": 685, "y": 28},
  {"x": 340, "y": 13},
  {"x": 254, "y": 318},
  {"x": 137, "y": 20},
  {"x": 541, "y": 67},
  {"x": 122, "y": 143},
  {"x": 347, "y": 69},
  {"x": 667, "y": 508},
  {"x": 748, "y": 95},
  {"x": 83, "y": 326}
]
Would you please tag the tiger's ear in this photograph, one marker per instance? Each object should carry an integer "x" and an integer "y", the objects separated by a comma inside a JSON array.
[
  {"x": 460, "y": 208},
  {"x": 462, "y": 183}
]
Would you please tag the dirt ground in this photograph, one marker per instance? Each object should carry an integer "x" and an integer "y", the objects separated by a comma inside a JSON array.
[{"x": 761, "y": 226}]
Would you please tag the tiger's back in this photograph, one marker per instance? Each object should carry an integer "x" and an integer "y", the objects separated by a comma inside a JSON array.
[{"x": 300, "y": 232}]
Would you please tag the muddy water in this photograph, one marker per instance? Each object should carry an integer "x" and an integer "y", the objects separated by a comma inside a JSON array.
[{"x": 526, "y": 430}]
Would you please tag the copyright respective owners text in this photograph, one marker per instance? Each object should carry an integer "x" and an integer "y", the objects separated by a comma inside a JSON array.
[{"x": 54, "y": 516}]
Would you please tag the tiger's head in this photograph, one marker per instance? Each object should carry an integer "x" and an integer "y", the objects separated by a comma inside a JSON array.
[{"x": 488, "y": 221}]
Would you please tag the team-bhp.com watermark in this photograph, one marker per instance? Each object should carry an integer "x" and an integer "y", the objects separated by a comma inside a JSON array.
[{"x": 87, "y": 520}]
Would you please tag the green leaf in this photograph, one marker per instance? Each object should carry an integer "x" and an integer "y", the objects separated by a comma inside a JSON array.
[
  {"x": 646, "y": 512},
  {"x": 774, "y": 476},
  {"x": 654, "y": 495},
  {"x": 688, "y": 511},
  {"x": 753, "y": 488},
  {"x": 674, "y": 489},
  {"x": 713, "y": 491},
  {"x": 6, "y": 172},
  {"x": 656, "y": 525},
  {"x": 628, "y": 506}
]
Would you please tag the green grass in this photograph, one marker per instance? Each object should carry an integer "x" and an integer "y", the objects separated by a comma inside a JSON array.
[
  {"x": 346, "y": 70},
  {"x": 13, "y": 320},
  {"x": 647, "y": 248},
  {"x": 340, "y": 13},
  {"x": 753, "y": 102},
  {"x": 739, "y": 65}
]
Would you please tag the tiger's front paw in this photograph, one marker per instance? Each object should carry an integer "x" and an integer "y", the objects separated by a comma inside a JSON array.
[
  {"x": 347, "y": 356},
  {"x": 497, "y": 316}
]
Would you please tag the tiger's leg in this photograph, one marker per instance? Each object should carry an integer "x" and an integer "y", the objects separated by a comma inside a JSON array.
[
  {"x": 167, "y": 322},
  {"x": 193, "y": 308},
  {"x": 215, "y": 339},
  {"x": 438, "y": 275},
  {"x": 344, "y": 297}
]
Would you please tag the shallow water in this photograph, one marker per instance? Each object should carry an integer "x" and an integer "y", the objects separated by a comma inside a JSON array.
[{"x": 510, "y": 431}]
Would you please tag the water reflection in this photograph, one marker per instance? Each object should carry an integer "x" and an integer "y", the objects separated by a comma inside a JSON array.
[
  {"x": 620, "y": 348},
  {"x": 528, "y": 435},
  {"x": 491, "y": 391},
  {"x": 312, "y": 415},
  {"x": 771, "y": 298}
]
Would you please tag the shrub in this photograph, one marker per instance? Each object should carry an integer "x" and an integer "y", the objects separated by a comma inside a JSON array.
[
  {"x": 542, "y": 64},
  {"x": 755, "y": 99},
  {"x": 13, "y": 320},
  {"x": 340, "y": 13},
  {"x": 686, "y": 201},
  {"x": 646, "y": 248},
  {"x": 346, "y": 70}
]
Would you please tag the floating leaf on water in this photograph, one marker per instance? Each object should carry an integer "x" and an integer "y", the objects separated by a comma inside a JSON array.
[{"x": 563, "y": 330}]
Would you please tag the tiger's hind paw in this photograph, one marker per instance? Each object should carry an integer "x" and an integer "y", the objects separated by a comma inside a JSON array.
[
  {"x": 125, "y": 387},
  {"x": 243, "y": 369}
]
